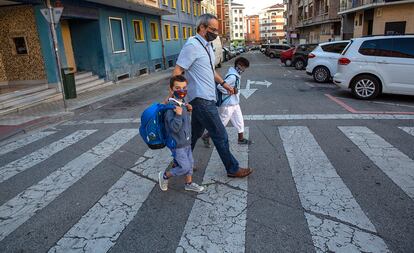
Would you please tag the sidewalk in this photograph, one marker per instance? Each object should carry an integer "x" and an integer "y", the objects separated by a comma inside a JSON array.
[{"x": 53, "y": 112}]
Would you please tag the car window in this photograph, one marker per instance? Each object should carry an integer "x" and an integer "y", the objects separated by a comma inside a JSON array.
[
  {"x": 272, "y": 47},
  {"x": 335, "y": 47},
  {"x": 380, "y": 47},
  {"x": 279, "y": 47},
  {"x": 403, "y": 48}
]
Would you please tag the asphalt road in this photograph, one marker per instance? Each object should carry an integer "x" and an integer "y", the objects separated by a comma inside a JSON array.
[{"x": 331, "y": 174}]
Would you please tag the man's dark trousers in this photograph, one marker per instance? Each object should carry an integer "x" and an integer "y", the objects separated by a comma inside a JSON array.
[{"x": 205, "y": 116}]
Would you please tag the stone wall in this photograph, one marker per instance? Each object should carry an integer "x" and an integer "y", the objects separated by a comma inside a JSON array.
[{"x": 19, "y": 21}]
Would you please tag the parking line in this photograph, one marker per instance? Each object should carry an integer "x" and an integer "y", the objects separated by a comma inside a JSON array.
[{"x": 352, "y": 110}]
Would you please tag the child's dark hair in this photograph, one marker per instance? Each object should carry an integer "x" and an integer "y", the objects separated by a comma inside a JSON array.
[
  {"x": 179, "y": 78},
  {"x": 241, "y": 61}
]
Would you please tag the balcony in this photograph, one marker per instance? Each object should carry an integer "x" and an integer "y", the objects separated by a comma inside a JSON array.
[{"x": 348, "y": 6}]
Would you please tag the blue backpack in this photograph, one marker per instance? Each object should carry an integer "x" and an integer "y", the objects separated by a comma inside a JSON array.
[
  {"x": 220, "y": 97},
  {"x": 152, "y": 129}
]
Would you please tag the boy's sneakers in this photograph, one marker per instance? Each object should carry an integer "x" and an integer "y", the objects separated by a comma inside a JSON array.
[
  {"x": 194, "y": 187},
  {"x": 206, "y": 140},
  {"x": 162, "y": 181},
  {"x": 244, "y": 141}
]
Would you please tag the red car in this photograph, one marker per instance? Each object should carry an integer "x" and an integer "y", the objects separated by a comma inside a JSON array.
[{"x": 286, "y": 56}]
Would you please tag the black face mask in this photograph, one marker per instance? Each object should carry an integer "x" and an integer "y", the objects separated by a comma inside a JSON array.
[{"x": 210, "y": 36}]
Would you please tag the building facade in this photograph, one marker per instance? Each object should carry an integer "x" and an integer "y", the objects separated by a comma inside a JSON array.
[
  {"x": 252, "y": 30},
  {"x": 209, "y": 6},
  {"x": 376, "y": 17},
  {"x": 313, "y": 21},
  {"x": 272, "y": 22},
  {"x": 177, "y": 28},
  {"x": 237, "y": 24},
  {"x": 223, "y": 16}
]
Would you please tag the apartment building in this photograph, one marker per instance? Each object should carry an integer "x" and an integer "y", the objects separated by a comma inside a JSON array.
[
  {"x": 272, "y": 22},
  {"x": 237, "y": 23},
  {"x": 313, "y": 21},
  {"x": 223, "y": 16},
  {"x": 209, "y": 6},
  {"x": 376, "y": 17},
  {"x": 252, "y": 30}
]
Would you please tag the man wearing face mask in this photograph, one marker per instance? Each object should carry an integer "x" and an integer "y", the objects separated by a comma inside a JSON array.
[{"x": 197, "y": 59}]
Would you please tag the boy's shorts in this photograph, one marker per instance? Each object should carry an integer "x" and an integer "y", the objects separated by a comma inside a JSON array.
[{"x": 184, "y": 161}]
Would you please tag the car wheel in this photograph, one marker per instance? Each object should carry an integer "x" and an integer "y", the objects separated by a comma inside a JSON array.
[
  {"x": 272, "y": 55},
  {"x": 365, "y": 87},
  {"x": 321, "y": 74},
  {"x": 288, "y": 63},
  {"x": 299, "y": 64}
]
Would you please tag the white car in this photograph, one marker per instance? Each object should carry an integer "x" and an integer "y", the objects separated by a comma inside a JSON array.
[
  {"x": 218, "y": 51},
  {"x": 373, "y": 65},
  {"x": 323, "y": 60}
]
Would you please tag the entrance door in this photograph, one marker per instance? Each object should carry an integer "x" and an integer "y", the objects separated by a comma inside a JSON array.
[{"x": 67, "y": 43}]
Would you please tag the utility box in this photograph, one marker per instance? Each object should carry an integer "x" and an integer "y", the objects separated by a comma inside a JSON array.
[{"x": 68, "y": 79}]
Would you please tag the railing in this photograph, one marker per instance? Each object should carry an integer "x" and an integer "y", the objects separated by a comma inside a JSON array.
[{"x": 350, "y": 4}]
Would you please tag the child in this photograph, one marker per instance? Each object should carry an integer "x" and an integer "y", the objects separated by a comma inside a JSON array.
[
  {"x": 178, "y": 128},
  {"x": 230, "y": 110}
]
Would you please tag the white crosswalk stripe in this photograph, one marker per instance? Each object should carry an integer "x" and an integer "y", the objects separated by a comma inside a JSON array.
[
  {"x": 22, "y": 207},
  {"x": 102, "y": 121},
  {"x": 24, "y": 141},
  {"x": 409, "y": 130},
  {"x": 98, "y": 230},
  {"x": 11, "y": 169},
  {"x": 395, "y": 164},
  {"x": 322, "y": 192},
  {"x": 217, "y": 222}
]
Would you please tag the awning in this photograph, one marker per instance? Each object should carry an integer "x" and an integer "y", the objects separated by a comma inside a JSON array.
[{"x": 134, "y": 6}]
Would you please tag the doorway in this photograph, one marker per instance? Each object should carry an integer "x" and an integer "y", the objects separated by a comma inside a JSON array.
[{"x": 67, "y": 43}]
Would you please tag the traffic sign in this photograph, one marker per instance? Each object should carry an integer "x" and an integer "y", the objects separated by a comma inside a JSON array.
[{"x": 57, "y": 13}]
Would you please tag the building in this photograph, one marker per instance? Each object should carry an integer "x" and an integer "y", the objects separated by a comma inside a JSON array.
[
  {"x": 272, "y": 22},
  {"x": 223, "y": 17},
  {"x": 313, "y": 21},
  {"x": 376, "y": 17},
  {"x": 209, "y": 6},
  {"x": 111, "y": 39},
  {"x": 252, "y": 30},
  {"x": 177, "y": 28},
  {"x": 237, "y": 24}
]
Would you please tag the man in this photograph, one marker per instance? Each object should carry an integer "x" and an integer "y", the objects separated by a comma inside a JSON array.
[{"x": 197, "y": 59}]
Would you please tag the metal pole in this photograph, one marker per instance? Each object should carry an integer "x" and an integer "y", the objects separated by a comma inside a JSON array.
[{"x": 56, "y": 49}]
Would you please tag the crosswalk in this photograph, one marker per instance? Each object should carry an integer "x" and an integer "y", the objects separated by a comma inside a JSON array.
[{"x": 336, "y": 220}]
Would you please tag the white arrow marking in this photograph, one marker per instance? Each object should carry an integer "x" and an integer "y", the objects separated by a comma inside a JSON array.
[
  {"x": 247, "y": 92},
  {"x": 267, "y": 83}
]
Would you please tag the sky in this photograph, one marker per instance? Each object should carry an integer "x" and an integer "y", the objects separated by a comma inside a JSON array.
[{"x": 254, "y": 6}]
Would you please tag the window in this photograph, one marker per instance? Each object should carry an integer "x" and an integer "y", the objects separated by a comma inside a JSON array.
[
  {"x": 184, "y": 32},
  {"x": 154, "y": 31},
  {"x": 175, "y": 30},
  {"x": 165, "y": 2},
  {"x": 167, "y": 30},
  {"x": 236, "y": 27},
  {"x": 138, "y": 30},
  {"x": 395, "y": 28},
  {"x": 405, "y": 48},
  {"x": 174, "y": 4},
  {"x": 190, "y": 32},
  {"x": 194, "y": 8},
  {"x": 380, "y": 47},
  {"x": 188, "y": 6},
  {"x": 117, "y": 35},
  {"x": 335, "y": 47},
  {"x": 240, "y": 11},
  {"x": 183, "y": 5},
  {"x": 20, "y": 45}
]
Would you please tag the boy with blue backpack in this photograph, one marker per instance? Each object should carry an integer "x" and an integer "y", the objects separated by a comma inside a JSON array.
[
  {"x": 229, "y": 105},
  {"x": 177, "y": 125}
]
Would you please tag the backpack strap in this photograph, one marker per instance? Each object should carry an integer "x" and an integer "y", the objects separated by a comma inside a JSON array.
[{"x": 209, "y": 57}]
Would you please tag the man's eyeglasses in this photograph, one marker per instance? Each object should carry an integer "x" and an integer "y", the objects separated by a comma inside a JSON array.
[{"x": 214, "y": 30}]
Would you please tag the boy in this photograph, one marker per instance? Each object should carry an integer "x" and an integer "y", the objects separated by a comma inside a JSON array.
[
  {"x": 230, "y": 110},
  {"x": 178, "y": 128}
]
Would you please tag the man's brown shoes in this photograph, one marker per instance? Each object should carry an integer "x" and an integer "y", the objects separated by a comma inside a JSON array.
[{"x": 242, "y": 172}]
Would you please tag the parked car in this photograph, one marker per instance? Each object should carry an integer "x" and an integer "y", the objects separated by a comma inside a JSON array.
[
  {"x": 370, "y": 66},
  {"x": 286, "y": 56},
  {"x": 322, "y": 61},
  {"x": 263, "y": 47},
  {"x": 300, "y": 55},
  {"x": 274, "y": 50},
  {"x": 218, "y": 51}
]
